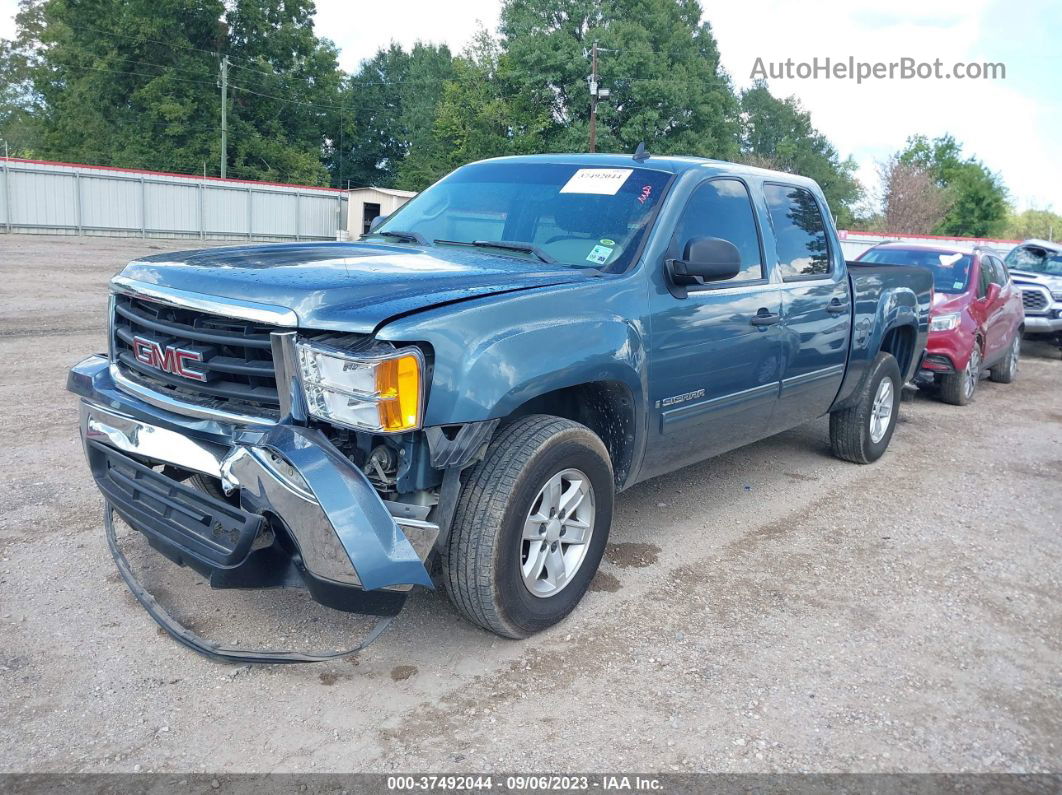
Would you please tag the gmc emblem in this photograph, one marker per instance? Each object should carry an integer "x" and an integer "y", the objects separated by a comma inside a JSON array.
[{"x": 170, "y": 359}]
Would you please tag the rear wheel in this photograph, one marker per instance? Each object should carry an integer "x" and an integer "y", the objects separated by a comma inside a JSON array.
[
  {"x": 531, "y": 525},
  {"x": 861, "y": 433},
  {"x": 958, "y": 388},
  {"x": 1007, "y": 370}
]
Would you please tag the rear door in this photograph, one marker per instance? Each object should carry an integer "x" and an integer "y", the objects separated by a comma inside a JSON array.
[
  {"x": 816, "y": 305},
  {"x": 713, "y": 371}
]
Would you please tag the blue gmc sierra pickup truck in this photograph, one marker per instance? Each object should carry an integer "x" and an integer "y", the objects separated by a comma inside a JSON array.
[{"x": 458, "y": 397}]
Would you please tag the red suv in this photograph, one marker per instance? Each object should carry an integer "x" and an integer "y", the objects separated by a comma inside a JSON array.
[{"x": 976, "y": 321}]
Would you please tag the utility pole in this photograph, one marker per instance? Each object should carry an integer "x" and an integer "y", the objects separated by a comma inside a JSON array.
[
  {"x": 596, "y": 94},
  {"x": 593, "y": 98},
  {"x": 224, "y": 82}
]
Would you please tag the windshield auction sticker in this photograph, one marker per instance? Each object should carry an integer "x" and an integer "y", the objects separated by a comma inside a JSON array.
[{"x": 602, "y": 181}]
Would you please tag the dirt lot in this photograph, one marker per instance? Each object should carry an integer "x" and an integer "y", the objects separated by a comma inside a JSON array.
[{"x": 771, "y": 610}]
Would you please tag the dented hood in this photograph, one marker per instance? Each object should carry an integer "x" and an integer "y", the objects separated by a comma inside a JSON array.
[{"x": 347, "y": 286}]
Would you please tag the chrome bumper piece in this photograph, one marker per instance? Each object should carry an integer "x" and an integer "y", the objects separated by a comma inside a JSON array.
[
  {"x": 1042, "y": 324},
  {"x": 345, "y": 533}
]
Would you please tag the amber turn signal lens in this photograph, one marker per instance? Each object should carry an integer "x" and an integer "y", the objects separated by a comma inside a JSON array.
[{"x": 398, "y": 390}]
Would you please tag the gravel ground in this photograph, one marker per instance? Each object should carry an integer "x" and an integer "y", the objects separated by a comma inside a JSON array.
[{"x": 771, "y": 610}]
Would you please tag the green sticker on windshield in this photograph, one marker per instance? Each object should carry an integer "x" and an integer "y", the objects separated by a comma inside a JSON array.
[
  {"x": 599, "y": 255},
  {"x": 606, "y": 242}
]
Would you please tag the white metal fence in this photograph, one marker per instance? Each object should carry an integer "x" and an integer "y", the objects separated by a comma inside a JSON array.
[{"x": 59, "y": 198}]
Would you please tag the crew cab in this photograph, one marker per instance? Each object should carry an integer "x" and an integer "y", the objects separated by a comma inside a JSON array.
[
  {"x": 458, "y": 397},
  {"x": 976, "y": 321}
]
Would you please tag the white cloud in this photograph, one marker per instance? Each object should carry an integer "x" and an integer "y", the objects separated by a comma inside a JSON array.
[
  {"x": 1009, "y": 130},
  {"x": 360, "y": 29}
]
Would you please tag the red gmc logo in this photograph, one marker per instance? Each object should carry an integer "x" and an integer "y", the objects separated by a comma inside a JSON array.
[{"x": 169, "y": 359}]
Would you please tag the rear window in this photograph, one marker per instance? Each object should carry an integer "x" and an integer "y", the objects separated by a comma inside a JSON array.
[{"x": 951, "y": 270}]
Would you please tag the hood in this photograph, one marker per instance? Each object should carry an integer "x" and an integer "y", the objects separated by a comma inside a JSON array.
[
  {"x": 1050, "y": 281},
  {"x": 947, "y": 302},
  {"x": 351, "y": 287}
]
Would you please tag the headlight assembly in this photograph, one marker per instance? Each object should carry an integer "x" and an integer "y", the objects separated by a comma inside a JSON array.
[
  {"x": 944, "y": 322},
  {"x": 364, "y": 391}
]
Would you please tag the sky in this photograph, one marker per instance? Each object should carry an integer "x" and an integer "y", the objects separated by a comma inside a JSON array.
[{"x": 1013, "y": 125}]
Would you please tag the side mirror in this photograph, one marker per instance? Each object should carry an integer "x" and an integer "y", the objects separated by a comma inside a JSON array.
[
  {"x": 374, "y": 224},
  {"x": 705, "y": 259},
  {"x": 992, "y": 293}
]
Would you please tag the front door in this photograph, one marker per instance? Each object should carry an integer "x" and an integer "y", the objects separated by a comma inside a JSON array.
[
  {"x": 713, "y": 374},
  {"x": 816, "y": 306}
]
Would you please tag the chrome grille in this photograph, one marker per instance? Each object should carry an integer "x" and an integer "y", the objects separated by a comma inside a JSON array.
[
  {"x": 1034, "y": 300},
  {"x": 236, "y": 359}
]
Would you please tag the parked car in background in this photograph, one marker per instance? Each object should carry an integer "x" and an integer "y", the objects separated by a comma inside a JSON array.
[
  {"x": 976, "y": 320},
  {"x": 1036, "y": 266}
]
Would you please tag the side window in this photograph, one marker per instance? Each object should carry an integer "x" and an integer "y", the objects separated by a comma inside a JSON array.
[
  {"x": 984, "y": 278},
  {"x": 722, "y": 208},
  {"x": 999, "y": 272},
  {"x": 799, "y": 231}
]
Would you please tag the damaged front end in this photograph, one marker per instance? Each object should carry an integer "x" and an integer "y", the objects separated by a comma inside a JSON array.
[{"x": 248, "y": 501}]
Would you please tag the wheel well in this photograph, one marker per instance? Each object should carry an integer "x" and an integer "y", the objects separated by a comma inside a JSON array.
[
  {"x": 605, "y": 407},
  {"x": 900, "y": 342}
]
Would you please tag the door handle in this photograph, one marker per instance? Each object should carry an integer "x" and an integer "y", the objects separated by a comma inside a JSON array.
[
  {"x": 835, "y": 307},
  {"x": 765, "y": 318}
]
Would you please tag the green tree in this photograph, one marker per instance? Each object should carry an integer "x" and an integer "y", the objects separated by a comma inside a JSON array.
[
  {"x": 20, "y": 105},
  {"x": 658, "y": 60},
  {"x": 479, "y": 115},
  {"x": 285, "y": 91},
  {"x": 126, "y": 84},
  {"x": 778, "y": 133},
  {"x": 1040, "y": 224},
  {"x": 390, "y": 106},
  {"x": 977, "y": 205},
  {"x": 135, "y": 84}
]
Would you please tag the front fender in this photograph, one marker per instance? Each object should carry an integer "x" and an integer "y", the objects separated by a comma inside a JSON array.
[{"x": 492, "y": 356}]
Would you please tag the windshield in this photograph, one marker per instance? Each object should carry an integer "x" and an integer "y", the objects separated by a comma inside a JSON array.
[
  {"x": 951, "y": 271},
  {"x": 574, "y": 216},
  {"x": 1035, "y": 260}
]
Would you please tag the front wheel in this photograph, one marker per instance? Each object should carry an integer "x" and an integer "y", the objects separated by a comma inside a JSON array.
[
  {"x": 531, "y": 525},
  {"x": 861, "y": 433},
  {"x": 958, "y": 388}
]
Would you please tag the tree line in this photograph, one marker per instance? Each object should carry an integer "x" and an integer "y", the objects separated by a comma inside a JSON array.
[{"x": 136, "y": 84}]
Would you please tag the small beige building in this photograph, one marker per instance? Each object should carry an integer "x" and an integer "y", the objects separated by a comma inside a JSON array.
[{"x": 367, "y": 203}]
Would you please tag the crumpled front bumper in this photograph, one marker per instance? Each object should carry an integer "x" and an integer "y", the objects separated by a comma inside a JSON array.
[{"x": 345, "y": 541}]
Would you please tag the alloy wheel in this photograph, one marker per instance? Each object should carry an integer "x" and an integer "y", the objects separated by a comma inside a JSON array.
[
  {"x": 557, "y": 533},
  {"x": 881, "y": 410}
]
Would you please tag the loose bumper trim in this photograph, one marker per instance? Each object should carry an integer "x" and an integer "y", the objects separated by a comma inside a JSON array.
[
  {"x": 214, "y": 651},
  {"x": 345, "y": 534}
]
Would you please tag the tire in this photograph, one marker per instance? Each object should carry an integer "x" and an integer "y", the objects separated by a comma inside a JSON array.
[
  {"x": 958, "y": 388},
  {"x": 487, "y": 551},
  {"x": 1007, "y": 370},
  {"x": 854, "y": 432},
  {"x": 208, "y": 485}
]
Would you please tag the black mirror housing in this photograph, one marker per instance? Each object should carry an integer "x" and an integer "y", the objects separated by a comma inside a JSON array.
[{"x": 705, "y": 259}]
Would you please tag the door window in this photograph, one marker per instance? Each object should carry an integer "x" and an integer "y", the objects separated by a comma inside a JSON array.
[
  {"x": 799, "y": 232},
  {"x": 722, "y": 208},
  {"x": 984, "y": 278},
  {"x": 998, "y": 274}
]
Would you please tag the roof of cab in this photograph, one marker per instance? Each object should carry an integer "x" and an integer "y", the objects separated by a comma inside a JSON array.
[{"x": 675, "y": 164}]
